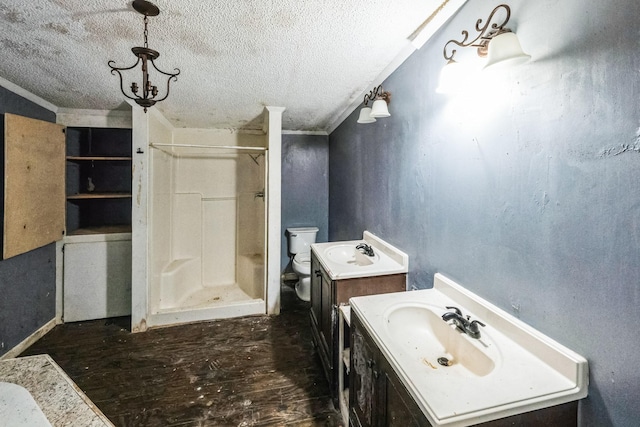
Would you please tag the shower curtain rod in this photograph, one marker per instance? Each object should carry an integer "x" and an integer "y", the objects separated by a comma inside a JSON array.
[{"x": 228, "y": 147}]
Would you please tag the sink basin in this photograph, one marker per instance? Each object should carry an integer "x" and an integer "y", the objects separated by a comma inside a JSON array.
[
  {"x": 427, "y": 338},
  {"x": 341, "y": 259},
  {"x": 512, "y": 368},
  {"x": 349, "y": 255}
]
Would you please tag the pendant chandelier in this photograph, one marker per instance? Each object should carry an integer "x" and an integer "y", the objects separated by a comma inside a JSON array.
[{"x": 147, "y": 94}]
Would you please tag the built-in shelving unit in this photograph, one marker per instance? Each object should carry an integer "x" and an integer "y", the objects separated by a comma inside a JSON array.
[{"x": 98, "y": 180}]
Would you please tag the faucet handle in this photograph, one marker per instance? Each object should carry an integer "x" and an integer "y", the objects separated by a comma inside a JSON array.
[
  {"x": 456, "y": 309},
  {"x": 473, "y": 326}
]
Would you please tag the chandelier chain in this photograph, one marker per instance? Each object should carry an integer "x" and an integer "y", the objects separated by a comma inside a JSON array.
[
  {"x": 145, "y": 94},
  {"x": 146, "y": 32}
]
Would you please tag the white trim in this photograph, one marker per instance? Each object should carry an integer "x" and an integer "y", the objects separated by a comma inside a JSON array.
[
  {"x": 27, "y": 95},
  {"x": 406, "y": 52},
  {"x": 59, "y": 281},
  {"x": 433, "y": 23},
  {"x": 420, "y": 36},
  {"x": 29, "y": 341},
  {"x": 273, "y": 125},
  {"x": 227, "y": 147},
  {"x": 305, "y": 132},
  {"x": 226, "y": 131},
  {"x": 139, "y": 222},
  {"x": 94, "y": 118}
]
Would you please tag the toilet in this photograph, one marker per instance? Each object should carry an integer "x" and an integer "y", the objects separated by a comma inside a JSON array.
[{"x": 299, "y": 241}]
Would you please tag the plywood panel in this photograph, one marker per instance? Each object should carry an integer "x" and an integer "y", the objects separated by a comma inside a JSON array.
[{"x": 34, "y": 195}]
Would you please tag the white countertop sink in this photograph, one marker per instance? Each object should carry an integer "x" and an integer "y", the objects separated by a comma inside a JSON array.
[
  {"x": 347, "y": 254},
  {"x": 512, "y": 368},
  {"x": 341, "y": 260},
  {"x": 425, "y": 337}
]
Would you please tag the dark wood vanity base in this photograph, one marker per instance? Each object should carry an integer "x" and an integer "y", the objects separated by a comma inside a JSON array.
[
  {"x": 377, "y": 396},
  {"x": 326, "y": 296}
]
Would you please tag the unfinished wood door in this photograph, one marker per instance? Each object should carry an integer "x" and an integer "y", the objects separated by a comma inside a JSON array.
[{"x": 34, "y": 196}]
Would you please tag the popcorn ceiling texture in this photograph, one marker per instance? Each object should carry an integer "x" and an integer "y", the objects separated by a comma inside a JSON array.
[{"x": 312, "y": 57}]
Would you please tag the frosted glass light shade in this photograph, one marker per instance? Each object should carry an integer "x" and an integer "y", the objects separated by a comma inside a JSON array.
[
  {"x": 505, "y": 49},
  {"x": 365, "y": 116},
  {"x": 452, "y": 78},
  {"x": 380, "y": 109}
]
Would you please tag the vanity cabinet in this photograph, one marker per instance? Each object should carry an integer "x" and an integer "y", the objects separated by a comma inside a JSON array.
[
  {"x": 378, "y": 397},
  {"x": 326, "y": 296}
]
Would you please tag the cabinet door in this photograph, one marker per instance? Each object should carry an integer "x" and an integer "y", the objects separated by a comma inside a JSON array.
[
  {"x": 33, "y": 184},
  {"x": 316, "y": 291},
  {"x": 97, "y": 280},
  {"x": 399, "y": 409},
  {"x": 363, "y": 378},
  {"x": 328, "y": 316}
]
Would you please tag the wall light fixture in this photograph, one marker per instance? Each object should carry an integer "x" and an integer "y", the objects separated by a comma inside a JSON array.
[
  {"x": 379, "y": 99},
  {"x": 494, "y": 41},
  {"x": 149, "y": 93}
]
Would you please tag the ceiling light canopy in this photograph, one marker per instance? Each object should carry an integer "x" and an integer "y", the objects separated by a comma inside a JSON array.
[{"x": 147, "y": 94}]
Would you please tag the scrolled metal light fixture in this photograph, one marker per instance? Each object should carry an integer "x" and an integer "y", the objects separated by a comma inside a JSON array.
[
  {"x": 149, "y": 93},
  {"x": 494, "y": 41},
  {"x": 379, "y": 99}
]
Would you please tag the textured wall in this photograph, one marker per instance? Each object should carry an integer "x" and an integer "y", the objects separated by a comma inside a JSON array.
[
  {"x": 27, "y": 281},
  {"x": 305, "y": 185},
  {"x": 525, "y": 190}
]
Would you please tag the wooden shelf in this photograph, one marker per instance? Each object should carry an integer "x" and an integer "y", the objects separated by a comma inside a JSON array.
[
  {"x": 87, "y": 196},
  {"x": 98, "y": 180},
  {"x": 102, "y": 229},
  {"x": 99, "y": 158}
]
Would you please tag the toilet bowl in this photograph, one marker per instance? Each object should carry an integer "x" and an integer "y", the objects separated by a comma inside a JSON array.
[
  {"x": 300, "y": 240},
  {"x": 301, "y": 265}
]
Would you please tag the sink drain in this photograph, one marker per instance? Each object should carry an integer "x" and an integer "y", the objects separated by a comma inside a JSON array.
[{"x": 444, "y": 361}]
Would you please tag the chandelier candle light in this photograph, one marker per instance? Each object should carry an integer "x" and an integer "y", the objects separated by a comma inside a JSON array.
[{"x": 148, "y": 96}]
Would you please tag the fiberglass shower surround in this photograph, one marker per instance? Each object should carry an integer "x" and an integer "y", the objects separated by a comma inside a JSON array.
[{"x": 209, "y": 227}]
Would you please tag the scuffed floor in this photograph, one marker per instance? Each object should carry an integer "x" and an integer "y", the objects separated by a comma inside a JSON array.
[{"x": 252, "y": 371}]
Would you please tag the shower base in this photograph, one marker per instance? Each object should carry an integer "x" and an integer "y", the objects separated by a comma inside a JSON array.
[
  {"x": 209, "y": 303},
  {"x": 217, "y": 295}
]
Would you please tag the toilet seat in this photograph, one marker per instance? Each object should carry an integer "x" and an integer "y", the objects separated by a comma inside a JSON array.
[{"x": 302, "y": 263}]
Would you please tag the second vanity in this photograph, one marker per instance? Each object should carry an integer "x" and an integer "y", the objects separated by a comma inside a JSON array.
[
  {"x": 340, "y": 271},
  {"x": 409, "y": 367}
]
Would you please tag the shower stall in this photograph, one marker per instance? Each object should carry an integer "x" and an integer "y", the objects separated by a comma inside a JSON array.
[
  {"x": 212, "y": 226},
  {"x": 207, "y": 226}
]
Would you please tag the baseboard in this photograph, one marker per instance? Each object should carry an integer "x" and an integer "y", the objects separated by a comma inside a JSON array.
[
  {"x": 27, "y": 342},
  {"x": 290, "y": 276}
]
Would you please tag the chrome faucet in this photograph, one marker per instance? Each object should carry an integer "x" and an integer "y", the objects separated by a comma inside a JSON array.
[
  {"x": 463, "y": 324},
  {"x": 366, "y": 249}
]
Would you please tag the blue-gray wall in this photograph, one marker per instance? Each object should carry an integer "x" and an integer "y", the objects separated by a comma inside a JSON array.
[
  {"x": 27, "y": 281},
  {"x": 305, "y": 185},
  {"x": 526, "y": 191}
]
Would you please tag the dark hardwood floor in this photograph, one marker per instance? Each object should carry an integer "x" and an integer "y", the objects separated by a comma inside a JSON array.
[{"x": 252, "y": 371}]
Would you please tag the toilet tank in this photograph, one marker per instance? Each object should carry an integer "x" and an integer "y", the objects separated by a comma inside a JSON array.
[{"x": 301, "y": 238}]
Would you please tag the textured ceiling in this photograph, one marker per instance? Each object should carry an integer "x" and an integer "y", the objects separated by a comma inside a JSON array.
[{"x": 313, "y": 57}]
